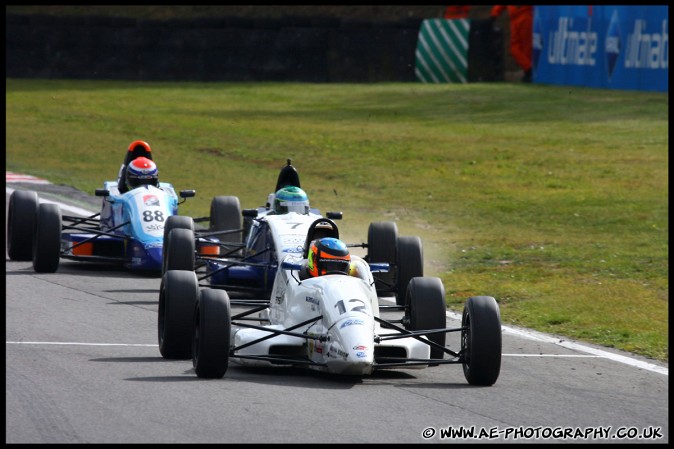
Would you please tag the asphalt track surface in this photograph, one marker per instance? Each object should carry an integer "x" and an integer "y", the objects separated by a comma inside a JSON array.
[{"x": 83, "y": 366}]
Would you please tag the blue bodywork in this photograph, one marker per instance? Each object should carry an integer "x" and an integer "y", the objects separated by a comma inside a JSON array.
[{"x": 132, "y": 227}]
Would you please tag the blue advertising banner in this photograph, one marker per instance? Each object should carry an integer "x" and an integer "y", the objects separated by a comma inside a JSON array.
[{"x": 615, "y": 47}]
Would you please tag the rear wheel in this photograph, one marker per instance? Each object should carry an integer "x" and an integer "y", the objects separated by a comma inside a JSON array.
[
  {"x": 425, "y": 301},
  {"x": 174, "y": 222},
  {"x": 382, "y": 240},
  {"x": 212, "y": 330},
  {"x": 179, "y": 252},
  {"x": 21, "y": 219},
  {"x": 178, "y": 295},
  {"x": 410, "y": 263},
  {"x": 481, "y": 340},
  {"x": 47, "y": 242}
]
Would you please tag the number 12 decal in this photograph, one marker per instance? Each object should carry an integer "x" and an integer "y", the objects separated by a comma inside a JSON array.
[{"x": 342, "y": 309}]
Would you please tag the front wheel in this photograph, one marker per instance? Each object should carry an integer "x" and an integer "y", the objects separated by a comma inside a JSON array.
[
  {"x": 382, "y": 243},
  {"x": 481, "y": 340},
  {"x": 179, "y": 250},
  {"x": 425, "y": 302},
  {"x": 212, "y": 330},
  {"x": 226, "y": 216},
  {"x": 47, "y": 241},
  {"x": 410, "y": 262},
  {"x": 173, "y": 222},
  {"x": 178, "y": 295}
]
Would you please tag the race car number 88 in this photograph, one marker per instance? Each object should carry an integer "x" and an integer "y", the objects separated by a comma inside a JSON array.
[{"x": 149, "y": 216}]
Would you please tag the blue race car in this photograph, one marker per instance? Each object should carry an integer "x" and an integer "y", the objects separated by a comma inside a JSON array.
[{"x": 128, "y": 231}]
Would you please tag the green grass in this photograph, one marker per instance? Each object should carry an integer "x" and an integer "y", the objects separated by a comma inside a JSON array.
[{"x": 552, "y": 199}]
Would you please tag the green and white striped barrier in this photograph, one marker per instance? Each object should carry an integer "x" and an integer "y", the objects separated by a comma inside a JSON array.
[{"x": 442, "y": 51}]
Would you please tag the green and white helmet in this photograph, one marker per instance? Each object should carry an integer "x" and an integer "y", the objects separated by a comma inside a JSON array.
[{"x": 291, "y": 199}]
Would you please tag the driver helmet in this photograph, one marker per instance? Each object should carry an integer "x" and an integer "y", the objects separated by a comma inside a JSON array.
[
  {"x": 328, "y": 255},
  {"x": 291, "y": 199},
  {"x": 140, "y": 147},
  {"x": 142, "y": 171}
]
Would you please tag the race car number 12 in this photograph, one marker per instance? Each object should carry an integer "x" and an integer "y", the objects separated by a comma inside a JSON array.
[{"x": 342, "y": 309}]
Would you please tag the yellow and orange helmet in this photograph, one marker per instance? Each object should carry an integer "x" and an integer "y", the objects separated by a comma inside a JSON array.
[{"x": 328, "y": 256}]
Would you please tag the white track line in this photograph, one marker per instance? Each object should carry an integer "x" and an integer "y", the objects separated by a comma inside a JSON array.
[{"x": 55, "y": 343}]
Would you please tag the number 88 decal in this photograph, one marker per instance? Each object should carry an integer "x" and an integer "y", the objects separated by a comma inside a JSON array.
[{"x": 149, "y": 216}]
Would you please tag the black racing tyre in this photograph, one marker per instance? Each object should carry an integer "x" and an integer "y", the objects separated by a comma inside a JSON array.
[
  {"x": 179, "y": 250},
  {"x": 177, "y": 222},
  {"x": 174, "y": 222},
  {"x": 481, "y": 340},
  {"x": 21, "y": 219},
  {"x": 426, "y": 308},
  {"x": 212, "y": 329},
  {"x": 178, "y": 295},
  {"x": 410, "y": 263},
  {"x": 382, "y": 240},
  {"x": 226, "y": 215},
  {"x": 47, "y": 241}
]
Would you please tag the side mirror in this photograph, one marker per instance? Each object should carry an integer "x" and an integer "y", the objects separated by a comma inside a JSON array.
[
  {"x": 249, "y": 213},
  {"x": 187, "y": 193},
  {"x": 286, "y": 265},
  {"x": 379, "y": 267},
  {"x": 102, "y": 192},
  {"x": 334, "y": 215}
]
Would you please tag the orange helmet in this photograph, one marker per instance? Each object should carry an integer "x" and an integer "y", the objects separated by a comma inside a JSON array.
[
  {"x": 140, "y": 143},
  {"x": 327, "y": 256}
]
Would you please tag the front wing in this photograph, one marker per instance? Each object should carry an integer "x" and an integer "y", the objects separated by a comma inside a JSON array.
[{"x": 272, "y": 345}]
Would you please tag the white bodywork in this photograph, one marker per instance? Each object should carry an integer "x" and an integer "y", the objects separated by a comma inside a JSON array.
[
  {"x": 290, "y": 231},
  {"x": 343, "y": 340}
]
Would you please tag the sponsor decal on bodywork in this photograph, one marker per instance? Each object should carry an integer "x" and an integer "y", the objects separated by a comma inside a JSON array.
[
  {"x": 351, "y": 322},
  {"x": 150, "y": 200},
  {"x": 335, "y": 352},
  {"x": 315, "y": 346}
]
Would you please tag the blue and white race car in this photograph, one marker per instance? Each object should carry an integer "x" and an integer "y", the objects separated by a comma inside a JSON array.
[
  {"x": 129, "y": 229},
  {"x": 241, "y": 250}
]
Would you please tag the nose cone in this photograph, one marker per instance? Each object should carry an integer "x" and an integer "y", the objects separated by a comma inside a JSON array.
[
  {"x": 154, "y": 258},
  {"x": 352, "y": 349}
]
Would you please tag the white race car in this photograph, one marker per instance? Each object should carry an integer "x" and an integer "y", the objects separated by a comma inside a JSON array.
[{"x": 330, "y": 323}]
